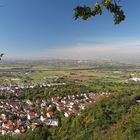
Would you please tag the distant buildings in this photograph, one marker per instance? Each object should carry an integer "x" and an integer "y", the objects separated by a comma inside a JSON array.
[{"x": 135, "y": 79}]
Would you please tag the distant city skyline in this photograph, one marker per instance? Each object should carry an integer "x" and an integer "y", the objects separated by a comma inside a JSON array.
[{"x": 46, "y": 29}]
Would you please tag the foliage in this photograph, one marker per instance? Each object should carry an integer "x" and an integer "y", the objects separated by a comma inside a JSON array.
[
  {"x": 85, "y": 12},
  {"x": 48, "y": 92},
  {"x": 1, "y": 55},
  {"x": 38, "y": 134},
  {"x": 94, "y": 122},
  {"x": 128, "y": 127}
]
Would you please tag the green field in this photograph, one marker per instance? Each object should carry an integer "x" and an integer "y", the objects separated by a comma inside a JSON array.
[{"x": 103, "y": 72}]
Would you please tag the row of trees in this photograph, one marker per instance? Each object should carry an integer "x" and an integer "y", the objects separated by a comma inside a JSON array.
[{"x": 76, "y": 88}]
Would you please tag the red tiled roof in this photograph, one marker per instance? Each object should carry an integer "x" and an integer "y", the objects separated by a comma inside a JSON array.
[
  {"x": 50, "y": 113},
  {"x": 32, "y": 113}
]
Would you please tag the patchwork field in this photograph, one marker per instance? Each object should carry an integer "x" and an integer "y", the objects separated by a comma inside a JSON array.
[{"x": 109, "y": 72}]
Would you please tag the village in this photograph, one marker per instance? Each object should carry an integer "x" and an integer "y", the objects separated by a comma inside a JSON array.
[{"x": 17, "y": 115}]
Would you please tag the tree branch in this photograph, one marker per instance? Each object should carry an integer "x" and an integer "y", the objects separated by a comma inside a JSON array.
[{"x": 85, "y": 12}]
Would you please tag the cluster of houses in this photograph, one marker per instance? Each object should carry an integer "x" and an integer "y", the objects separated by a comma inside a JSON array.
[
  {"x": 135, "y": 79},
  {"x": 14, "y": 86},
  {"x": 17, "y": 115},
  {"x": 73, "y": 104}
]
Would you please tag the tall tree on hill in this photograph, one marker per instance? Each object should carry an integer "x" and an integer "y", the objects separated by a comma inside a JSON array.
[{"x": 85, "y": 12}]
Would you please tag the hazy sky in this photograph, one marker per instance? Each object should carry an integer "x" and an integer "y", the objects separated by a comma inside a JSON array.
[{"x": 47, "y": 29}]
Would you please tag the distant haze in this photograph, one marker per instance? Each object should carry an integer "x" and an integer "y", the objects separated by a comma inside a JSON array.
[{"x": 82, "y": 51}]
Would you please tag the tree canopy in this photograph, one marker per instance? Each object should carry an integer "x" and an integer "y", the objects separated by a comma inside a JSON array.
[{"x": 85, "y": 12}]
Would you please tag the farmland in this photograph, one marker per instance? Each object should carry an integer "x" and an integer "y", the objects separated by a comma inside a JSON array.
[{"x": 118, "y": 72}]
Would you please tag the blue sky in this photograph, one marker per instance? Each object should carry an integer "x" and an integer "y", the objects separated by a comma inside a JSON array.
[{"x": 47, "y": 29}]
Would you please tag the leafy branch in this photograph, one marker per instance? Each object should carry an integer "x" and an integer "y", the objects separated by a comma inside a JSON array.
[
  {"x": 85, "y": 12},
  {"x": 1, "y": 55}
]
